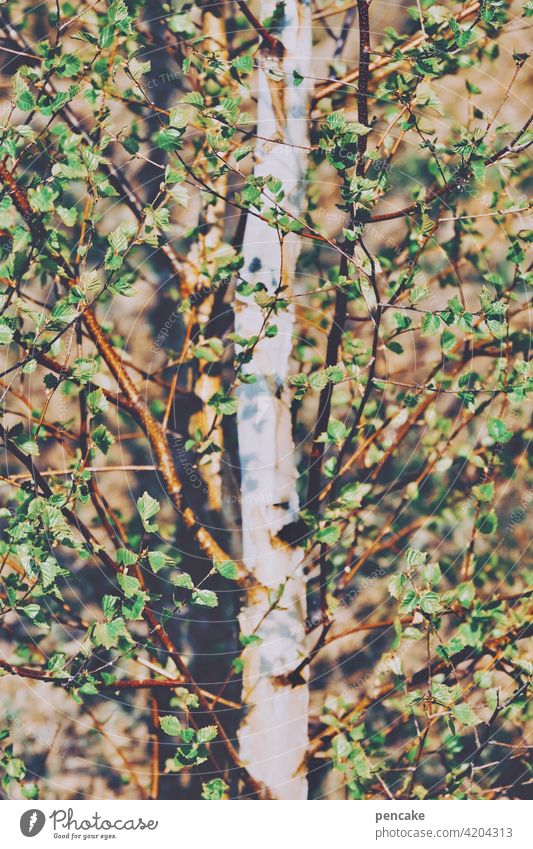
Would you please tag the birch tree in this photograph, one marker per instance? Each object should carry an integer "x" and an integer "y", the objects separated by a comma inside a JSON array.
[{"x": 273, "y": 736}]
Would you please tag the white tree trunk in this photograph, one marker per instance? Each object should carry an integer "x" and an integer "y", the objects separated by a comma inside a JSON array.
[{"x": 274, "y": 734}]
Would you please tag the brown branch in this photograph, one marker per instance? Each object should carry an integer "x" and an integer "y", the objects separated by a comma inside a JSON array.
[
  {"x": 341, "y": 298},
  {"x": 273, "y": 44},
  {"x": 117, "y": 179},
  {"x": 364, "y": 78},
  {"x": 491, "y": 646},
  {"x": 154, "y": 784},
  {"x": 28, "y": 672},
  {"x": 149, "y": 616},
  {"x": 335, "y": 10},
  {"x": 442, "y": 192},
  {"x": 411, "y": 44},
  {"x": 100, "y": 727},
  {"x": 151, "y": 426},
  {"x": 407, "y": 620}
]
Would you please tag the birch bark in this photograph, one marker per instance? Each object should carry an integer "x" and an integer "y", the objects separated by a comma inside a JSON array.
[{"x": 274, "y": 736}]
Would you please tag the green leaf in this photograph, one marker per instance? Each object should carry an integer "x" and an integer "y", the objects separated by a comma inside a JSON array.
[
  {"x": 129, "y": 585},
  {"x": 108, "y": 634},
  {"x": 182, "y": 580},
  {"x": 171, "y": 725},
  {"x": 483, "y": 678},
  {"x": 42, "y": 198},
  {"x": 443, "y": 694},
  {"x": 132, "y": 609},
  {"x": 206, "y": 734},
  {"x": 70, "y": 65},
  {"x": 26, "y": 101},
  {"x": 125, "y": 557},
  {"x": 84, "y": 369},
  {"x": 357, "y": 128},
  {"x": 466, "y": 594},
  {"x": 464, "y": 714},
  {"x": 359, "y": 762},
  {"x": 353, "y": 493},
  {"x": 396, "y": 585},
  {"x": 158, "y": 560},
  {"x": 27, "y": 445},
  {"x": 430, "y": 324},
  {"x": 329, "y": 535},
  {"x": 498, "y": 430},
  {"x": 109, "y": 604},
  {"x": 431, "y": 573},
  {"x": 64, "y": 312},
  {"x": 228, "y": 569},
  {"x": 32, "y": 611},
  {"x": 30, "y": 790},
  {"x": 409, "y": 602},
  {"x": 118, "y": 240},
  {"x": 318, "y": 380},
  {"x": 337, "y": 431},
  {"x": 138, "y": 69},
  {"x": 207, "y": 354},
  {"x": 415, "y": 558},
  {"x": 147, "y": 508},
  {"x": 214, "y": 790},
  {"x": 88, "y": 689},
  {"x": 204, "y": 598},
  {"x": 97, "y": 402},
  {"x": 170, "y": 139},
  {"x": 180, "y": 193},
  {"x": 429, "y": 602},
  {"x": 418, "y": 293},
  {"x": 487, "y": 523},
  {"x": 224, "y": 404},
  {"x": 6, "y": 333},
  {"x": 102, "y": 438},
  {"x": 250, "y": 639},
  {"x": 119, "y": 16},
  {"x": 15, "y": 768},
  {"x": 49, "y": 570},
  {"x": 483, "y": 492},
  {"x": 244, "y": 63}
]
